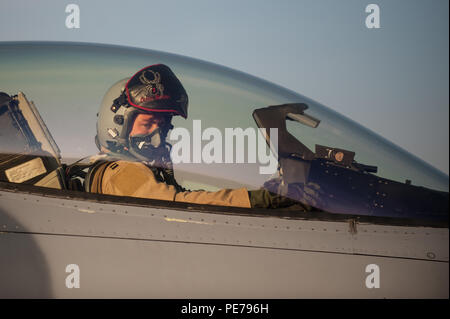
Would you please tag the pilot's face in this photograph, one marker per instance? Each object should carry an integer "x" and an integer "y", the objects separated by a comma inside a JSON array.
[{"x": 146, "y": 123}]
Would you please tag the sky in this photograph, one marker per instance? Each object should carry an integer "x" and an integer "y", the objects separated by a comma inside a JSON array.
[{"x": 393, "y": 80}]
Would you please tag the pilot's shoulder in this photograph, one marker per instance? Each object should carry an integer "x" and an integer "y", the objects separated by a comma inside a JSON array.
[{"x": 127, "y": 166}]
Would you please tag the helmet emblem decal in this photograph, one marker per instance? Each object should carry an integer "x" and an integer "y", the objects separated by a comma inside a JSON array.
[{"x": 153, "y": 87}]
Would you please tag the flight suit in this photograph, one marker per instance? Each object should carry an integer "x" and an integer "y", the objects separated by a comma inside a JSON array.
[{"x": 135, "y": 179}]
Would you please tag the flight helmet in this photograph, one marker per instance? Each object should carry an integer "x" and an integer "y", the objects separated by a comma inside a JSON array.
[{"x": 152, "y": 90}]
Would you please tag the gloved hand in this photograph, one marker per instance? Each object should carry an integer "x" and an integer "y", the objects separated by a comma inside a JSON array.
[
  {"x": 262, "y": 198},
  {"x": 275, "y": 194}
]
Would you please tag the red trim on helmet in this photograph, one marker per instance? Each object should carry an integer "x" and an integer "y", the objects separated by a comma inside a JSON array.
[{"x": 141, "y": 107}]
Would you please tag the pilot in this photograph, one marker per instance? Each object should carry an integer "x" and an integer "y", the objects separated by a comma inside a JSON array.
[{"x": 132, "y": 127}]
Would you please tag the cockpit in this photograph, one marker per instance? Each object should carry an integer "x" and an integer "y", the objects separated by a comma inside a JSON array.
[{"x": 241, "y": 131}]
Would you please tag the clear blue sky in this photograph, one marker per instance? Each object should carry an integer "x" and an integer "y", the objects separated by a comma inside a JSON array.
[{"x": 393, "y": 80}]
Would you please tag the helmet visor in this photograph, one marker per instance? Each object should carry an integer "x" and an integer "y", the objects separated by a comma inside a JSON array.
[{"x": 157, "y": 89}]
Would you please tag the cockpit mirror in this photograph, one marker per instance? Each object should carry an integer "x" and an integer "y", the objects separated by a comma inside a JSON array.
[{"x": 304, "y": 119}]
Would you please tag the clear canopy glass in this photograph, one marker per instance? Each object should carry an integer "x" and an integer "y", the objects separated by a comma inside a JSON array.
[{"x": 67, "y": 82}]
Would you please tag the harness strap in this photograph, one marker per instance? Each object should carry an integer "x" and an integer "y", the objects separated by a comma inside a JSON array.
[{"x": 93, "y": 181}]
